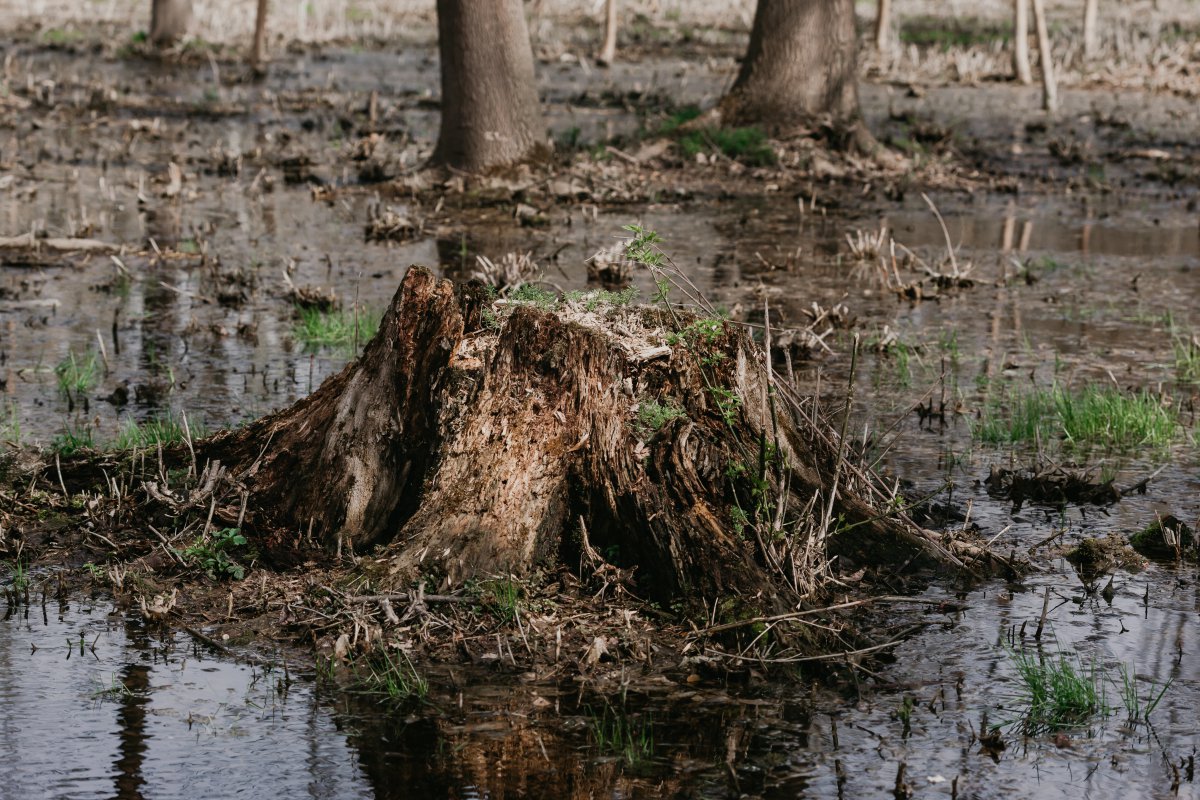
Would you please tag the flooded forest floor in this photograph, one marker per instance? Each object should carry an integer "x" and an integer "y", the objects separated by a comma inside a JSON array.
[{"x": 185, "y": 247}]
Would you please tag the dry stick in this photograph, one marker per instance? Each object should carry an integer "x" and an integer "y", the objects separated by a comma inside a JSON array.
[
  {"x": 1045, "y": 611},
  {"x": 1050, "y": 87},
  {"x": 814, "y": 611},
  {"x": 1021, "y": 42},
  {"x": 945, "y": 232}
]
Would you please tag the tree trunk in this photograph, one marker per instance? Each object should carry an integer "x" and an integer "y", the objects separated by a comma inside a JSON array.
[
  {"x": 169, "y": 21},
  {"x": 883, "y": 24},
  {"x": 462, "y": 453},
  {"x": 490, "y": 111},
  {"x": 1045, "y": 57},
  {"x": 1091, "y": 41},
  {"x": 608, "y": 51},
  {"x": 1021, "y": 42},
  {"x": 259, "y": 48},
  {"x": 801, "y": 64}
]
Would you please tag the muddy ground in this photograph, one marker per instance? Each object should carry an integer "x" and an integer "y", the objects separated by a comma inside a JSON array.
[{"x": 1075, "y": 245}]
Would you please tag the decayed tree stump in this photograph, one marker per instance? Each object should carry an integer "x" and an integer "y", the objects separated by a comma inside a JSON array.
[{"x": 454, "y": 452}]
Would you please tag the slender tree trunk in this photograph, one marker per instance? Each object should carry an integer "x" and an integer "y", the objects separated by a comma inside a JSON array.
[
  {"x": 466, "y": 457},
  {"x": 259, "y": 49},
  {"x": 1091, "y": 42},
  {"x": 608, "y": 52},
  {"x": 490, "y": 111},
  {"x": 883, "y": 25},
  {"x": 169, "y": 21},
  {"x": 801, "y": 64},
  {"x": 1046, "y": 57},
  {"x": 1021, "y": 42}
]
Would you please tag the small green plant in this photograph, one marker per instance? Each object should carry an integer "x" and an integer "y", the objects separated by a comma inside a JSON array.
[
  {"x": 214, "y": 554},
  {"x": 535, "y": 295},
  {"x": 1092, "y": 416},
  {"x": 72, "y": 440},
  {"x": 159, "y": 430},
  {"x": 643, "y": 248},
  {"x": 18, "y": 576},
  {"x": 1187, "y": 359},
  {"x": 1058, "y": 692},
  {"x": 1137, "y": 708},
  {"x": 95, "y": 571},
  {"x": 10, "y": 431},
  {"x": 616, "y": 733},
  {"x": 652, "y": 415},
  {"x": 501, "y": 597},
  {"x": 747, "y": 145},
  {"x": 596, "y": 299},
  {"x": 391, "y": 675},
  {"x": 115, "y": 689},
  {"x": 728, "y": 403},
  {"x": 76, "y": 374},
  {"x": 904, "y": 713},
  {"x": 338, "y": 329}
]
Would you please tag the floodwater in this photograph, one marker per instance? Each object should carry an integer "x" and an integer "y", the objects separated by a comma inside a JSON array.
[{"x": 1094, "y": 286}]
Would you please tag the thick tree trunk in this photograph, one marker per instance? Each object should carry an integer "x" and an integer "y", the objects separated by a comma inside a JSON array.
[
  {"x": 490, "y": 111},
  {"x": 462, "y": 453},
  {"x": 169, "y": 21},
  {"x": 801, "y": 64}
]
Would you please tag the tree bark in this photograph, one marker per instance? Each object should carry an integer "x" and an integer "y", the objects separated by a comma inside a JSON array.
[
  {"x": 1021, "y": 42},
  {"x": 461, "y": 453},
  {"x": 490, "y": 111},
  {"x": 169, "y": 21},
  {"x": 801, "y": 64}
]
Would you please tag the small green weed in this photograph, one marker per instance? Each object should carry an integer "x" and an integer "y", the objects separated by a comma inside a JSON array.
[
  {"x": 72, "y": 440},
  {"x": 1137, "y": 708},
  {"x": 214, "y": 554},
  {"x": 163, "y": 430},
  {"x": 338, "y": 329},
  {"x": 596, "y": 299},
  {"x": 114, "y": 690},
  {"x": 728, "y": 403},
  {"x": 616, "y": 733},
  {"x": 501, "y": 597},
  {"x": 76, "y": 374},
  {"x": 534, "y": 295},
  {"x": 652, "y": 415},
  {"x": 747, "y": 145},
  {"x": 1187, "y": 359},
  {"x": 391, "y": 675},
  {"x": 1093, "y": 416},
  {"x": 1058, "y": 692},
  {"x": 10, "y": 430}
]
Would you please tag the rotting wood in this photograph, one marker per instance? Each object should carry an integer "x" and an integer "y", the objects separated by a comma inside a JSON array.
[{"x": 457, "y": 454}]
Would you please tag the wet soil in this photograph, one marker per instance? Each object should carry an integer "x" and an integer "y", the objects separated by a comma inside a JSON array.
[{"x": 1080, "y": 241}]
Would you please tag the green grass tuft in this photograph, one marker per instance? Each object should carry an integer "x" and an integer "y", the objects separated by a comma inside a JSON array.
[
  {"x": 747, "y": 145},
  {"x": 76, "y": 374},
  {"x": 393, "y": 676},
  {"x": 618, "y": 734},
  {"x": 1058, "y": 692},
  {"x": 652, "y": 415},
  {"x": 163, "y": 430},
  {"x": 337, "y": 329},
  {"x": 1095, "y": 416}
]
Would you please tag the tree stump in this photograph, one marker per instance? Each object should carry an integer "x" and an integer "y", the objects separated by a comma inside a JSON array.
[{"x": 567, "y": 433}]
